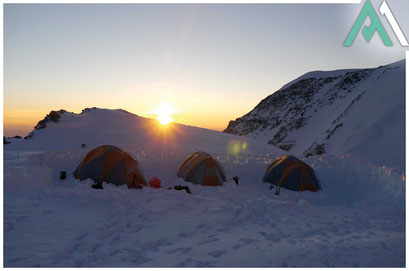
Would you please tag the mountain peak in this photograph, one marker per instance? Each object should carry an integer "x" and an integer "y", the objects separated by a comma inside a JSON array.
[
  {"x": 55, "y": 116},
  {"x": 342, "y": 111}
]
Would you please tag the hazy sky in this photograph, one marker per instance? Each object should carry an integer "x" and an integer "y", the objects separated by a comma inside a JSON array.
[{"x": 213, "y": 63}]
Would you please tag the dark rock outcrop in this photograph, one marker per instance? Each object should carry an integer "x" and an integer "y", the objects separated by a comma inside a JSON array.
[
  {"x": 5, "y": 141},
  {"x": 53, "y": 116},
  {"x": 278, "y": 118}
]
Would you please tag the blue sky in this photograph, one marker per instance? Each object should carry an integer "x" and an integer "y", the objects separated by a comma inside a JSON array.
[{"x": 213, "y": 63}]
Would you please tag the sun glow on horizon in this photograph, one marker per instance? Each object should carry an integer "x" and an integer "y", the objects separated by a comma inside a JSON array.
[
  {"x": 164, "y": 112},
  {"x": 164, "y": 119}
]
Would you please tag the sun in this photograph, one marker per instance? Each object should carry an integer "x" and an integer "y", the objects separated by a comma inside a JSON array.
[
  {"x": 164, "y": 119},
  {"x": 164, "y": 112}
]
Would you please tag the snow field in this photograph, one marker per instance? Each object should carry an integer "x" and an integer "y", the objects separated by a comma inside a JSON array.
[{"x": 358, "y": 219}]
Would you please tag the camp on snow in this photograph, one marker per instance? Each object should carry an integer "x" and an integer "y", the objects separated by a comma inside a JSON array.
[
  {"x": 291, "y": 173},
  {"x": 112, "y": 165},
  {"x": 202, "y": 168}
]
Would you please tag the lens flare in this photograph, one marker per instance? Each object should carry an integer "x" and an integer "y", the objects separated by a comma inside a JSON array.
[{"x": 236, "y": 147}]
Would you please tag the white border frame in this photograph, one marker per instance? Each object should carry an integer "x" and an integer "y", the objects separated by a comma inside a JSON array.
[{"x": 185, "y": 2}]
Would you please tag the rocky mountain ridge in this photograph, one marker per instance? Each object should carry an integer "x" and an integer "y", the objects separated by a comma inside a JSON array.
[{"x": 315, "y": 113}]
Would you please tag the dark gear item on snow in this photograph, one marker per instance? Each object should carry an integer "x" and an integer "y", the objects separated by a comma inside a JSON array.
[
  {"x": 184, "y": 187},
  {"x": 97, "y": 186},
  {"x": 63, "y": 175}
]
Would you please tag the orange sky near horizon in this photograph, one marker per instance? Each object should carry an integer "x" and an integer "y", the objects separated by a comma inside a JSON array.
[
  {"x": 213, "y": 63},
  {"x": 21, "y": 122},
  {"x": 211, "y": 109}
]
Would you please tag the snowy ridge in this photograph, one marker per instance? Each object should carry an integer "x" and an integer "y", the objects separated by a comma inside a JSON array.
[
  {"x": 95, "y": 126},
  {"x": 358, "y": 112}
]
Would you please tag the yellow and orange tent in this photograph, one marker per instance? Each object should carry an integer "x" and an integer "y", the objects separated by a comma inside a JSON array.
[
  {"x": 202, "y": 168},
  {"x": 112, "y": 165},
  {"x": 293, "y": 174}
]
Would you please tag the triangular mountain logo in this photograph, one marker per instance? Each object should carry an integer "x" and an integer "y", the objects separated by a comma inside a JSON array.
[{"x": 368, "y": 32}]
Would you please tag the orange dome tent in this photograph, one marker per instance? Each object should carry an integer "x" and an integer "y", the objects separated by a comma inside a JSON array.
[
  {"x": 112, "y": 165},
  {"x": 291, "y": 173},
  {"x": 202, "y": 168}
]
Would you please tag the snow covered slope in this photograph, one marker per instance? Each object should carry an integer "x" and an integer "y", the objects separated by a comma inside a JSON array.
[
  {"x": 359, "y": 112},
  {"x": 62, "y": 130},
  {"x": 357, "y": 219}
]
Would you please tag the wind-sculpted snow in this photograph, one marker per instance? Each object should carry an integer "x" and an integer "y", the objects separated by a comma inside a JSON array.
[
  {"x": 358, "y": 219},
  {"x": 358, "y": 112}
]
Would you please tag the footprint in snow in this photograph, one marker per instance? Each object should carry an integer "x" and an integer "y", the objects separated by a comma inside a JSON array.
[
  {"x": 247, "y": 240},
  {"x": 95, "y": 246},
  {"x": 114, "y": 239},
  {"x": 201, "y": 226},
  {"x": 155, "y": 245},
  {"x": 217, "y": 253},
  {"x": 207, "y": 241},
  {"x": 137, "y": 228},
  {"x": 385, "y": 246},
  {"x": 179, "y": 249},
  {"x": 76, "y": 243},
  {"x": 236, "y": 246},
  {"x": 17, "y": 259},
  {"x": 186, "y": 234}
]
